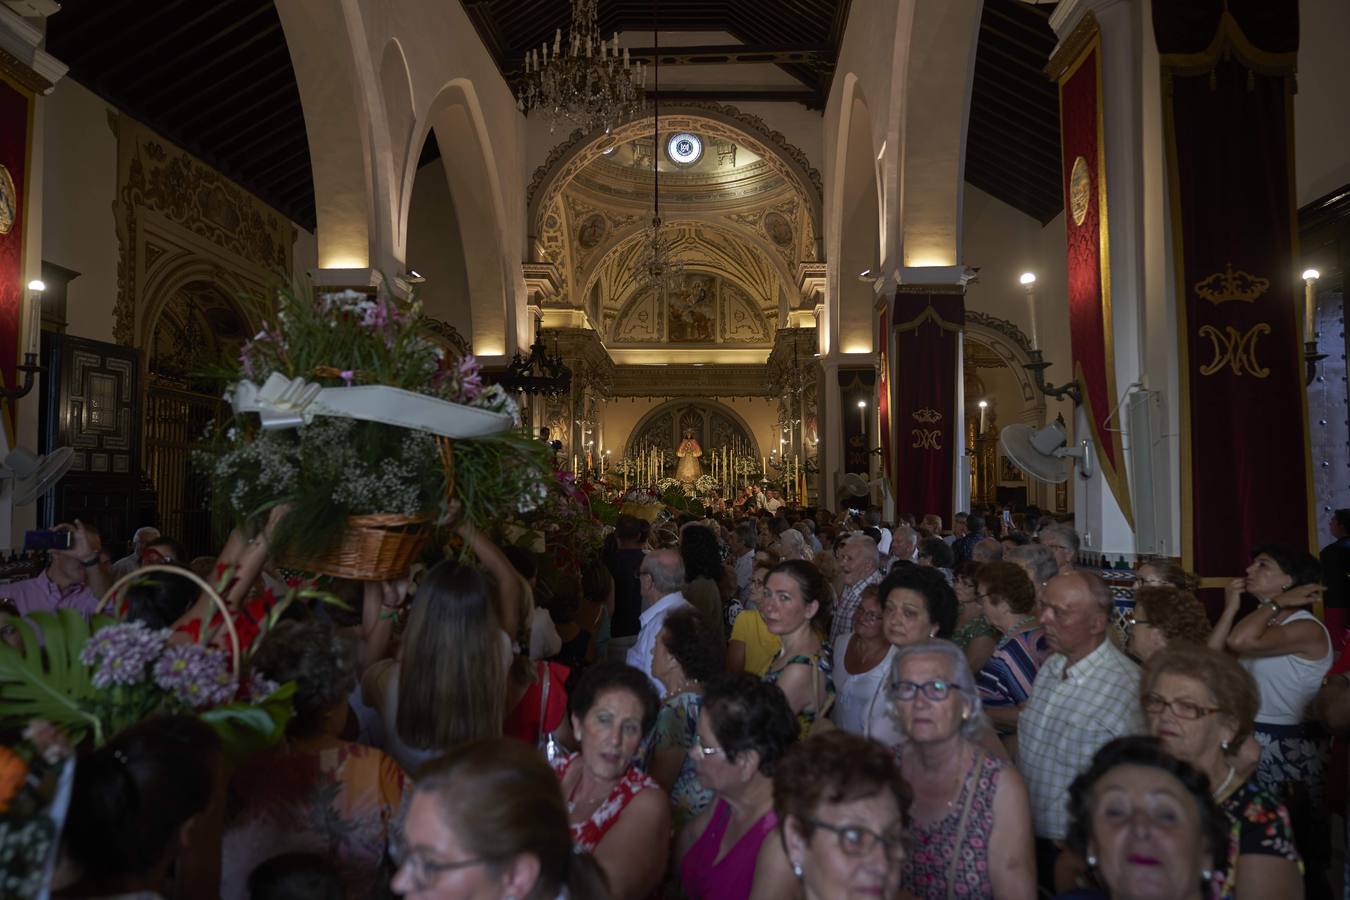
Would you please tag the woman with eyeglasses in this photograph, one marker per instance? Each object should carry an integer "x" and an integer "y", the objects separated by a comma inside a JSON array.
[
  {"x": 1164, "y": 614},
  {"x": 862, "y": 658},
  {"x": 841, "y": 804},
  {"x": 487, "y": 821},
  {"x": 744, "y": 729},
  {"x": 614, "y": 810},
  {"x": 1146, "y": 824},
  {"x": 1200, "y": 705},
  {"x": 970, "y": 820},
  {"x": 974, "y": 632}
]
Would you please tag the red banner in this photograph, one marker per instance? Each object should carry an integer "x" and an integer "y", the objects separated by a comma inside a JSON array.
[
  {"x": 16, "y": 126},
  {"x": 924, "y": 372},
  {"x": 1089, "y": 261},
  {"x": 1228, "y": 115},
  {"x": 884, "y": 396}
]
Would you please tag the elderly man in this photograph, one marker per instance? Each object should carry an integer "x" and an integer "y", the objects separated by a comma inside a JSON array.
[
  {"x": 140, "y": 542},
  {"x": 744, "y": 541},
  {"x": 904, "y": 544},
  {"x": 74, "y": 579},
  {"x": 662, "y": 578},
  {"x": 986, "y": 550},
  {"x": 859, "y": 559},
  {"x": 1086, "y": 694},
  {"x": 1063, "y": 542},
  {"x": 964, "y": 546}
]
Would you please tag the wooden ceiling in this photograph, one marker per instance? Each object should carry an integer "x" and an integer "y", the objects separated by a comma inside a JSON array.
[{"x": 216, "y": 78}]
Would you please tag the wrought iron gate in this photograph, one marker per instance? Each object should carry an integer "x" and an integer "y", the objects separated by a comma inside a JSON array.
[{"x": 175, "y": 420}]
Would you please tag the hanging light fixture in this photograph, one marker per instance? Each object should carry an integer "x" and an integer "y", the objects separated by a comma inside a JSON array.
[
  {"x": 655, "y": 265},
  {"x": 590, "y": 83},
  {"x": 539, "y": 373}
]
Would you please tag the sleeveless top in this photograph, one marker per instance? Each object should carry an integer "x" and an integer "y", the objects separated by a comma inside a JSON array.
[
  {"x": 586, "y": 836},
  {"x": 824, "y": 663},
  {"x": 705, "y": 877},
  {"x": 945, "y": 862},
  {"x": 1288, "y": 682}
]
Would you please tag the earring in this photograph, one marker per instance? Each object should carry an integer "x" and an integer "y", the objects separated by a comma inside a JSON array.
[
  {"x": 797, "y": 871},
  {"x": 1224, "y": 746},
  {"x": 965, "y": 715},
  {"x": 1091, "y": 861},
  {"x": 1206, "y": 874}
]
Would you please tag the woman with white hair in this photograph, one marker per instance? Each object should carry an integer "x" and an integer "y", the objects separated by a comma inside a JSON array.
[
  {"x": 970, "y": 818},
  {"x": 1038, "y": 561},
  {"x": 791, "y": 545}
]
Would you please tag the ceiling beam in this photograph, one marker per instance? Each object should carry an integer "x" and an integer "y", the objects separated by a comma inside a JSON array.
[{"x": 733, "y": 54}]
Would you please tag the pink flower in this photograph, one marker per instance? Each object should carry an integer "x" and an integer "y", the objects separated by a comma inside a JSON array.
[{"x": 348, "y": 375}]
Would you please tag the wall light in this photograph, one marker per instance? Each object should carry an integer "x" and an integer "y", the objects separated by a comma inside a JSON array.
[{"x": 1027, "y": 278}]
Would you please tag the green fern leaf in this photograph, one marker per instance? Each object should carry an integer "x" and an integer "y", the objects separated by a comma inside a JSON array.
[{"x": 46, "y": 680}]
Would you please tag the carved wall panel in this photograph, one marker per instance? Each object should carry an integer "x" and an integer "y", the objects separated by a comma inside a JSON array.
[{"x": 714, "y": 425}]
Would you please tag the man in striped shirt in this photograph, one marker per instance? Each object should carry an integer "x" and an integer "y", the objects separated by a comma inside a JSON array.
[{"x": 859, "y": 558}]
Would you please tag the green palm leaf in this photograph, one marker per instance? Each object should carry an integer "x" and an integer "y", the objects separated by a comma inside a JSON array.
[{"x": 46, "y": 680}]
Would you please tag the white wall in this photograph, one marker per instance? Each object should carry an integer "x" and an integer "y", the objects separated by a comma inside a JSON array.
[
  {"x": 1321, "y": 112},
  {"x": 436, "y": 251},
  {"x": 78, "y": 230}
]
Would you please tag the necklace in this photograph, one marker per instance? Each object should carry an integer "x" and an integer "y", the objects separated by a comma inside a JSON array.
[{"x": 1219, "y": 794}]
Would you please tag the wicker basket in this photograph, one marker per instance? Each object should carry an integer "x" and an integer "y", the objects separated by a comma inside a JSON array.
[{"x": 372, "y": 548}]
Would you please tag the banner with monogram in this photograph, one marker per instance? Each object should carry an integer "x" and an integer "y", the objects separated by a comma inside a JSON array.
[
  {"x": 16, "y": 125},
  {"x": 884, "y": 396},
  {"x": 1228, "y": 84},
  {"x": 923, "y": 371},
  {"x": 1083, "y": 155}
]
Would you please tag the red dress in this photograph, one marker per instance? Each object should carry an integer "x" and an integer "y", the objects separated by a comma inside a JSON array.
[
  {"x": 523, "y": 721},
  {"x": 586, "y": 836}
]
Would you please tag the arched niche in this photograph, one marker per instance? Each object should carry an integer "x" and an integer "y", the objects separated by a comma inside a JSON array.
[
  {"x": 714, "y": 425},
  {"x": 198, "y": 326}
]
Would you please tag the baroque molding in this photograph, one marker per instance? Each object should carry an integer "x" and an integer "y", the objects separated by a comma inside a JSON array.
[{"x": 1004, "y": 327}]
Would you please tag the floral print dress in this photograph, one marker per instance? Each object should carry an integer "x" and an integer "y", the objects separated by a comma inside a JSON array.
[
  {"x": 1260, "y": 827},
  {"x": 676, "y": 726},
  {"x": 587, "y": 835}
]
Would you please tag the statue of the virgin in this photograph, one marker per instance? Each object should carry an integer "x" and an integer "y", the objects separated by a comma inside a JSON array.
[{"x": 689, "y": 468}]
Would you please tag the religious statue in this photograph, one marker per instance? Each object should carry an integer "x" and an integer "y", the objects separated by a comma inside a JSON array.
[{"x": 689, "y": 468}]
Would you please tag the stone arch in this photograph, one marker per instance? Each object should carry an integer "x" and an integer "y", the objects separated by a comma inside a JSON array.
[
  {"x": 856, "y": 208},
  {"x": 709, "y": 410},
  {"x": 931, "y": 86},
  {"x": 331, "y": 73},
  {"x": 163, "y": 284},
  {"x": 397, "y": 93},
  {"x": 470, "y": 168},
  {"x": 1006, "y": 341},
  {"x": 571, "y": 156}
]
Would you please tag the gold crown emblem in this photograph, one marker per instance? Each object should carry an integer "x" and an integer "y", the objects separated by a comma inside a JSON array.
[
  {"x": 1229, "y": 285},
  {"x": 926, "y": 415}
]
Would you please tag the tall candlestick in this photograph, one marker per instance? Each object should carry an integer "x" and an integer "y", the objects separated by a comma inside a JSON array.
[
  {"x": 984, "y": 405},
  {"x": 1310, "y": 277},
  {"x": 33, "y": 345},
  {"x": 1028, "y": 281}
]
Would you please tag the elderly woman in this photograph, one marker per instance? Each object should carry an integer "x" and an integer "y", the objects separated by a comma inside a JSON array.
[
  {"x": 862, "y": 657},
  {"x": 1038, "y": 562},
  {"x": 291, "y": 799},
  {"x": 792, "y": 545},
  {"x": 974, "y": 633},
  {"x": 1165, "y": 573},
  {"x": 1009, "y": 602},
  {"x": 1163, "y": 615},
  {"x": 841, "y": 805},
  {"x": 743, "y": 731},
  {"x": 1145, "y": 823},
  {"x": 614, "y": 810},
  {"x": 487, "y": 820},
  {"x": 688, "y": 654},
  {"x": 1288, "y": 651},
  {"x": 1200, "y": 705},
  {"x": 796, "y": 608},
  {"x": 971, "y": 818}
]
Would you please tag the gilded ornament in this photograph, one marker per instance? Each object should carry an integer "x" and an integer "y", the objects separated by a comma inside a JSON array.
[
  {"x": 1080, "y": 190},
  {"x": 9, "y": 202},
  {"x": 1227, "y": 285},
  {"x": 1234, "y": 349},
  {"x": 926, "y": 415}
]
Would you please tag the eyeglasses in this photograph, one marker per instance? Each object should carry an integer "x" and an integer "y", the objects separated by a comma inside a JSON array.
[
  {"x": 642, "y": 572},
  {"x": 1132, "y": 621},
  {"x": 1182, "y": 709},
  {"x": 706, "y": 751},
  {"x": 1152, "y": 581},
  {"x": 424, "y": 872},
  {"x": 985, "y": 596},
  {"x": 935, "y": 690},
  {"x": 855, "y": 840},
  {"x": 865, "y": 616}
]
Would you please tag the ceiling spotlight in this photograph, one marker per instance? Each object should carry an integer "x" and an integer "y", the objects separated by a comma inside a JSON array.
[{"x": 1028, "y": 278}]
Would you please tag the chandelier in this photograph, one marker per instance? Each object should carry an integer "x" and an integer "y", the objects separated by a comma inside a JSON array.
[
  {"x": 591, "y": 84},
  {"x": 538, "y": 373},
  {"x": 655, "y": 265}
]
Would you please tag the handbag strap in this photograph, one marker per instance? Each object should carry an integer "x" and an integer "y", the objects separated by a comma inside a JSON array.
[{"x": 969, "y": 798}]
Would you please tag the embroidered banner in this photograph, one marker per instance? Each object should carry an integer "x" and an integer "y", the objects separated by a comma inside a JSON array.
[
  {"x": 1228, "y": 115},
  {"x": 923, "y": 372},
  {"x": 884, "y": 396},
  {"x": 16, "y": 124},
  {"x": 1083, "y": 157}
]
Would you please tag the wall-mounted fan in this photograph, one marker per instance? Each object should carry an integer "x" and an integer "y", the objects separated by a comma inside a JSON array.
[
  {"x": 1042, "y": 452},
  {"x": 854, "y": 485},
  {"x": 34, "y": 475}
]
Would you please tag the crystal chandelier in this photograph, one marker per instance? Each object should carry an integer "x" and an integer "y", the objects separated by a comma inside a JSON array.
[
  {"x": 655, "y": 265},
  {"x": 591, "y": 84}
]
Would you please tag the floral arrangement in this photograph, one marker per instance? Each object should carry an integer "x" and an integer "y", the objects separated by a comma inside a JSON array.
[
  {"x": 705, "y": 485},
  {"x": 98, "y": 678},
  {"x": 36, "y": 773},
  {"x": 333, "y": 468}
]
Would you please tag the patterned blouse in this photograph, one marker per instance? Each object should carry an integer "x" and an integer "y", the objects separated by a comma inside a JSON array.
[
  {"x": 587, "y": 835},
  {"x": 676, "y": 726},
  {"x": 825, "y": 663},
  {"x": 947, "y": 860},
  {"x": 1260, "y": 826},
  {"x": 977, "y": 627},
  {"x": 1006, "y": 679}
]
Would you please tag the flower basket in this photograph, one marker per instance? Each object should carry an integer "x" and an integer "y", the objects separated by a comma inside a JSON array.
[{"x": 370, "y": 548}]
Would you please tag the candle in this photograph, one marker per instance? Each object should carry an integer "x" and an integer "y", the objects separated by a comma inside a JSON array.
[
  {"x": 1310, "y": 277},
  {"x": 35, "y": 289},
  {"x": 1028, "y": 281},
  {"x": 574, "y": 463},
  {"x": 984, "y": 405}
]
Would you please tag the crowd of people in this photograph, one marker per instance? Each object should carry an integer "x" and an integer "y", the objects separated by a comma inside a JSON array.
[{"x": 768, "y": 703}]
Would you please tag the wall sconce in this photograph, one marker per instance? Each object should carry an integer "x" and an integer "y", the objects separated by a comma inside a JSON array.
[
  {"x": 30, "y": 366},
  {"x": 1310, "y": 355},
  {"x": 1069, "y": 390}
]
